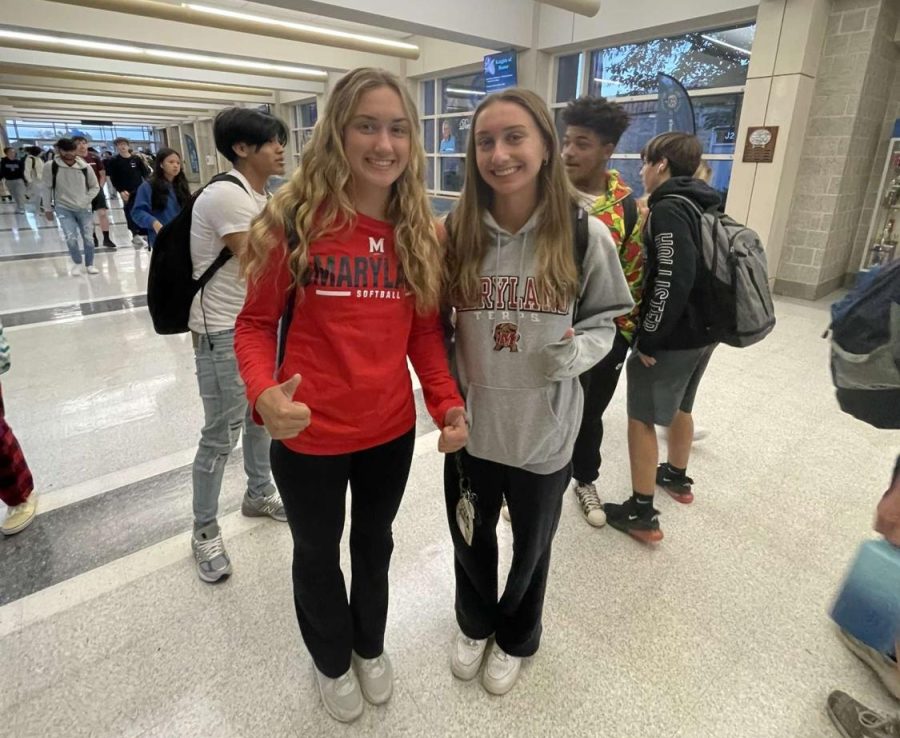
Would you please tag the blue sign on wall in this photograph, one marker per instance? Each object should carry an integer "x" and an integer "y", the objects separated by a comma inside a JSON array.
[{"x": 500, "y": 71}]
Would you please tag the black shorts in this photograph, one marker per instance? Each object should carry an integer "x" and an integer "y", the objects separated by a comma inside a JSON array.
[
  {"x": 656, "y": 393},
  {"x": 99, "y": 202}
]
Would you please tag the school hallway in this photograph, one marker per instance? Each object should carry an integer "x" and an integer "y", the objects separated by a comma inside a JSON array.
[{"x": 106, "y": 630}]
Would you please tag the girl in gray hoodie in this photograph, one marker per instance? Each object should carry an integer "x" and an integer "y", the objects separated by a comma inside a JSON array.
[{"x": 529, "y": 320}]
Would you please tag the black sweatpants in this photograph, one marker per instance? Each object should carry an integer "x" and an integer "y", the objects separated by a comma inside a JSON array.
[
  {"x": 313, "y": 489},
  {"x": 599, "y": 385},
  {"x": 535, "y": 502}
]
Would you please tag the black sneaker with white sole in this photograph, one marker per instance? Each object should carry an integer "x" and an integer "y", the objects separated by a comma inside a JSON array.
[{"x": 629, "y": 518}]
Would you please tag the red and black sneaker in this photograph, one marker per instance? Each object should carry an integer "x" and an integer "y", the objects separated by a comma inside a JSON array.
[
  {"x": 678, "y": 486},
  {"x": 635, "y": 520}
]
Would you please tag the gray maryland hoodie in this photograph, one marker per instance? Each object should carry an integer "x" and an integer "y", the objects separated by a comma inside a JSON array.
[
  {"x": 74, "y": 190},
  {"x": 520, "y": 380}
]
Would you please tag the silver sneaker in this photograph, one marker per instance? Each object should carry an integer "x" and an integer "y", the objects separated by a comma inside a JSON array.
[
  {"x": 465, "y": 659},
  {"x": 268, "y": 505},
  {"x": 501, "y": 671},
  {"x": 341, "y": 697},
  {"x": 590, "y": 504},
  {"x": 376, "y": 677},
  {"x": 209, "y": 552}
]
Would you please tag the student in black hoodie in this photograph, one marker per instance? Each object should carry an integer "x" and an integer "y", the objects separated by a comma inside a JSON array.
[
  {"x": 673, "y": 344},
  {"x": 127, "y": 171}
]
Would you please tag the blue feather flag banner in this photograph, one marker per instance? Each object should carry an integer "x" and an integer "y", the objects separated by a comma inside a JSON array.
[{"x": 674, "y": 111}]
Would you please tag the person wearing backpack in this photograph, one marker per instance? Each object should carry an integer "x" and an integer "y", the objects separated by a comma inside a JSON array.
[
  {"x": 535, "y": 308},
  {"x": 347, "y": 257},
  {"x": 674, "y": 342},
  {"x": 34, "y": 170},
  {"x": 70, "y": 186},
  {"x": 160, "y": 199},
  {"x": 593, "y": 128},
  {"x": 253, "y": 142},
  {"x": 12, "y": 171}
]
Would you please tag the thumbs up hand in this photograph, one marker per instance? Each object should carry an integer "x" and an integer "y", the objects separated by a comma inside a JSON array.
[{"x": 283, "y": 417}]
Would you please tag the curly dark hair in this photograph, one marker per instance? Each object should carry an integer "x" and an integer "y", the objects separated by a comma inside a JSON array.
[
  {"x": 607, "y": 119},
  {"x": 159, "y": 192}
]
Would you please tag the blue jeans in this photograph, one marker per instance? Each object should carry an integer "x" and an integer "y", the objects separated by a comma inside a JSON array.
[
  {"x": 74, "y": 222},
  {"x": 226, "y": 412}
]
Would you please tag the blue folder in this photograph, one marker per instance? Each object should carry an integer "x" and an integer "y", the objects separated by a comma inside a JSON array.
[{"x": 868, "y": 605}]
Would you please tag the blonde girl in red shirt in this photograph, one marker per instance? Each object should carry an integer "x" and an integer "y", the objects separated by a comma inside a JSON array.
[{"x": 352, "y": 237}]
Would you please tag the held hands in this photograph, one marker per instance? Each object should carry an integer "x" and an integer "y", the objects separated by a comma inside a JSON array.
[
  {"x": 157, "y": 226},
  {"x": 568, "y": 335},
  {"x": 455, "y": 433},
  {"x": 125, "y": 196},
  {"x": 283, "y": 417}
]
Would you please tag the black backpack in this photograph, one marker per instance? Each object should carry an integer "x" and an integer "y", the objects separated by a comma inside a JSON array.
[
  {"x": 865, "y": 348},
  {"x": 171, "y": 286}
]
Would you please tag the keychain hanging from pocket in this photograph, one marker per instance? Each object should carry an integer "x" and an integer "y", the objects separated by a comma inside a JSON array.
[{"x": 465, "y": 508}]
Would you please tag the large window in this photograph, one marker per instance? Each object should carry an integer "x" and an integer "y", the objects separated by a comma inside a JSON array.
[
  {"x": 46, "y": 133},
  {"x": 303, "y": 119},
  {"x": 447, "y": 106},
  {"x": 712, "y": 66}
]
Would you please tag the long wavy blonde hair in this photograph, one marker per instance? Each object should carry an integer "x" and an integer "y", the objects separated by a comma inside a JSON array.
[
  {"x": 468, "y": 236},
  {"x": 316, "y": 201}
]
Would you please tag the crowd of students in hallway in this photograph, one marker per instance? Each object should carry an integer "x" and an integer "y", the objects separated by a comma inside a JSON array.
[
  {"x": 73, "y": 183},
  {"x": 518, "y": 314}
]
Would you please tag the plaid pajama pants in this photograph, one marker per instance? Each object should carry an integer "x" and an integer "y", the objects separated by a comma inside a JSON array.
[{"x": 16, "y": 483}]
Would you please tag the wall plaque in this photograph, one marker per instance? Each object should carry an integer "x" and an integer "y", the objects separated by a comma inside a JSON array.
[{"x": 760, "y": 145}]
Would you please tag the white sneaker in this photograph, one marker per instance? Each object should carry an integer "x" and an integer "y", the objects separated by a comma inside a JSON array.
[
  {"x": 75, "y": 271},
  {"x": 137, "y": 241},
  {"x": 93, "y": 270},
  {"x": 341, "y": 697},
  {"x": 590, "y": 504},
  {"x": 883, "y": 666},
  {"x": 20, "y": 516},
  {"x": 501, "y": 671},
  {"x": 376, "y": 677},
  {"x": 465, "y": 658}
]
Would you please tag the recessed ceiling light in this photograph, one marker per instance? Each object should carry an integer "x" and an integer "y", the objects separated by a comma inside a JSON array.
[
  {"x": 139, "y": 51},
  {"x": 387, "y": 43}
]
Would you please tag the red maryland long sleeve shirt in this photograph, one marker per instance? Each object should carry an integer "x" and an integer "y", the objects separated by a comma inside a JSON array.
[{"x": 354, "y": 325}]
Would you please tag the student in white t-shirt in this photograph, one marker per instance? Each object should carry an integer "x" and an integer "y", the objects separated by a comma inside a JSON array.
[{"x": 253, "y": 142}]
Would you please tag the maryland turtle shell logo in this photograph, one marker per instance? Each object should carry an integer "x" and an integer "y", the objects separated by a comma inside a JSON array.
[{"x": 506, "y": 336}]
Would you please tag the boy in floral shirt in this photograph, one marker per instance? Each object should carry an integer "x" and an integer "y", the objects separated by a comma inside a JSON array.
[{"x": 593, "y": 128}]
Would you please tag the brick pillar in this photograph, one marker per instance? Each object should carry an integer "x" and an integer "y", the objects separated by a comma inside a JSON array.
[{"x": 854, "y": 80}]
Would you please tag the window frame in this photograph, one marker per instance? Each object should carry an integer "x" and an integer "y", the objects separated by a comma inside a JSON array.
[
  {"x": 298, "y": 130},
  {"x": 584, "y": 85},
  {"x": 434, "y": 188}
]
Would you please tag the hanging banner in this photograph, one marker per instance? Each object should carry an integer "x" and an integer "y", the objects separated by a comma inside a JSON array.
[{"x": 674, "y": 111}]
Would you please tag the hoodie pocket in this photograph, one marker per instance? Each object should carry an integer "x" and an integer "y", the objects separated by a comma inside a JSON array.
[{"x": 516, "y": 427}]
